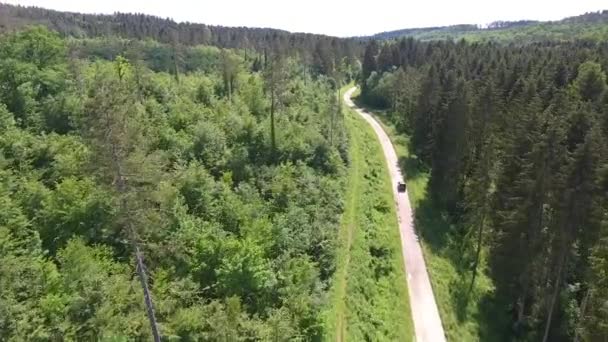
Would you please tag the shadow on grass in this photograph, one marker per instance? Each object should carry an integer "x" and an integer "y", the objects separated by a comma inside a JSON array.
[
  {"x": 482, "y": 307},
  {"x": 357, "y": 101},
  {"x": 493, "y": 319},
  {"x": 412, "y": 167},
  {"x": 381, "y": 112},
  {"x": 460, "y": 298},
  {"x": 432, "y": 226}
]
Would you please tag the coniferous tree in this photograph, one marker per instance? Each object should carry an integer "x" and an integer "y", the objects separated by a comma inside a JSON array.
[
  {"x": 512, "y": 136},
  {"x": 369, "y": 63},
  {"x": 276, "y": 77}
]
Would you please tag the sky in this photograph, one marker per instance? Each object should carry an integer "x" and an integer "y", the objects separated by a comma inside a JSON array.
[{"x": 333, "y": 17}]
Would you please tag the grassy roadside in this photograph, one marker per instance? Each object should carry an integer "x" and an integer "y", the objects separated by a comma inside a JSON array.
[
  {"x": 475, "y": 319},
  {"x": 369, "y": 298}
]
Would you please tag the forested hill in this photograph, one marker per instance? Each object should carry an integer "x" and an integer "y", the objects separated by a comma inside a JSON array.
[
  {"x": 592, "y": 26},
  {"x": 114, "y": 174},
  {"x": 313, "y": 48}
]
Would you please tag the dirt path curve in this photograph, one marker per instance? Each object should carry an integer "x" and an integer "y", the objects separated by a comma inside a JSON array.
[{"x": 427, "y": 322}]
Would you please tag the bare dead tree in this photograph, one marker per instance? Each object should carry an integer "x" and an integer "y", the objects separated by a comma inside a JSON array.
[
  {"x": 114, "y": 139},
  {"x": 140, "y": 267}
]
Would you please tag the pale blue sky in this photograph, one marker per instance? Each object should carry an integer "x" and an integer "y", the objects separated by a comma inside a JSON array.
[{"x": 334, "y": 17}]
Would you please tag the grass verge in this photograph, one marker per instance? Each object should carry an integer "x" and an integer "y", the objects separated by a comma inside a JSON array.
[
  {"x": 369, "y": 298},
  {"x": 465, "y": 317}
]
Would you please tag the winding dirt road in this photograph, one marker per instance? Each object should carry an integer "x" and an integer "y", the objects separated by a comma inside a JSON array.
[{"x": 427, "y": 323}]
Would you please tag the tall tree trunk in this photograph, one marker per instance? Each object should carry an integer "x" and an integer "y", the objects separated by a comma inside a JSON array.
[
  {"x": 143, "y": 279},
  {"x": 478, "y": 252},
  {"x": 331, "y": 128},
  {"x": 334, "y": 109},
  {"x": 265, "y": 59},
  {"x": 583, "y": 309},
  {"x": 272, "y": 133},
  {"x": 176, "y": 69},
  {"x": 229, "y": 84},
  {"x": 521, "y": 302},
  {"x": 175, "y": 59},
  {"x": 555, "y": 294},
  {"x": 121, "y": 186}
]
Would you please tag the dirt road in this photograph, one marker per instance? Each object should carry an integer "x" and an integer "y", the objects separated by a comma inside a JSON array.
[{"x": 427, "y": 322}]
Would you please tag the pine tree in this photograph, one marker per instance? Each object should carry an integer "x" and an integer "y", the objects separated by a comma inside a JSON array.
[
  {"x": 385, "y": 58},
  {"x": 450, "y": 149},
  {"x": 275, "y": 75},
  {"x": 482, "y": 165},
  {"x": 424, "y": 115},
  {"x": 522, "y": 194},
  {"x": 369, "y": 63},
  {"x": 575, "y": 202},
  {"x": 590, "y": 81}
]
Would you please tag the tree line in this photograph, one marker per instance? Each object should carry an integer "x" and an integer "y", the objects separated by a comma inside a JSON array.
[
  {"x": 515, "y": 137},
  {"x": 588, "y": 26},
  {"x": 323, "y": 53}
]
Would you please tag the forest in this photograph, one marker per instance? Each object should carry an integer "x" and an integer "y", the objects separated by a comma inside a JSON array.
[
  {"x": 589, "y": 26},
  {"x": 230, "y": 211},
  {"x": 186, "y": 182},
  {"x": 514, "y": 140},
  {"x": 325, "y": 53}
]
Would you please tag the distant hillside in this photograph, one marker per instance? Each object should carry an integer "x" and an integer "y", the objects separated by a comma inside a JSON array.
[
  {"x": 316, "y": 48},
  {"x": 592, "y": 26},
  {"x": 421, "y": 32}
]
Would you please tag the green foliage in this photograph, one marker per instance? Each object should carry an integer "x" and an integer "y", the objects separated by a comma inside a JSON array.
[
  {"x": 36, "y": 45},
  {"x": 590, "y": 81},
  {"x": 141, "y": 34},
  {"x": 370, "y": 297},
  {"x": 33, "y": 78},
  {"x": 589, "y": 26},
  {"x": 511, "y": 138},
  {"x": 100, "y": 154},
  {"x": 594, "y": 315}
]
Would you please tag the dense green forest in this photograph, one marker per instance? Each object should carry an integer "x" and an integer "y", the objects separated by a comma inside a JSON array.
[
  {"x": 220, "y": 189},
  {"x": 323, "y": 53},
  {"x": 515, "y": 141},
  {"x": 206, "y": 183},
  {"x": 589, "y": 26}
]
